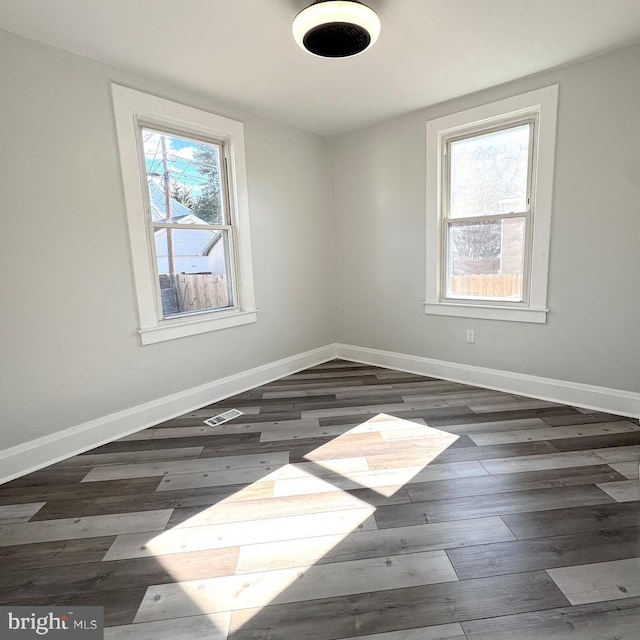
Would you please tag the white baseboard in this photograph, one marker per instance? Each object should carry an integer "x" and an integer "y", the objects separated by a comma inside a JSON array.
[
  {"x": 36, "y": 454},
  {"x": 624, "y": 403},
  {"x": 31, "y": 456}
]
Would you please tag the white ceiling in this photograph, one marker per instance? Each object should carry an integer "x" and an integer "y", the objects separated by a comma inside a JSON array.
[{"x": 242, "y": 50}]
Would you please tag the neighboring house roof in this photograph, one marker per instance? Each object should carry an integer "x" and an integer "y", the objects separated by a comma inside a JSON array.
[
  {"x": 212, "y": 243},
  {"x": 159, "y": 206},
  {"x": 188, "y": 244}
]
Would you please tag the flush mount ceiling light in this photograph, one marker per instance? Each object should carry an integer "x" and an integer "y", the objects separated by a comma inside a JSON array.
[{"x": 336, "y": 28}]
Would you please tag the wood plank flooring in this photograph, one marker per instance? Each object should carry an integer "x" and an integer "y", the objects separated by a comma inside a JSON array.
[{"x": 349, "y": 501}]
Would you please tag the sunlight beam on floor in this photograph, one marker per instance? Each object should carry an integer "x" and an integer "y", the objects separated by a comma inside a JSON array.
[
  {"x": 250, "y": 589},
  {"x": 400, "y": 446},
  {"x": 278, "y": 508}
]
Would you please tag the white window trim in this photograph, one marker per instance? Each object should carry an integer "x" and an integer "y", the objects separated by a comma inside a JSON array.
[
  {"x": 133, "y": 108},
  {"x": 544, "y": 103}
]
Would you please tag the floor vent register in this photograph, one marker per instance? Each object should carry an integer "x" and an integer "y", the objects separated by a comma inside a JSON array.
[{"x": 221, "y": 418}]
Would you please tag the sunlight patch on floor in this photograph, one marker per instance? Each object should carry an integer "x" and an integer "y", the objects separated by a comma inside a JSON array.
[
  {"x": 400, "y": 446},
  {"x": 226, "y": 524},
  {"x": 396, "y": 451},
  {"x": 248, "y": 590}
]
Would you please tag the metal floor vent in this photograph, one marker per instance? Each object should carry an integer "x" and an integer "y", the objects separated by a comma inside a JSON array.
[{"x": 214, "y": 421}]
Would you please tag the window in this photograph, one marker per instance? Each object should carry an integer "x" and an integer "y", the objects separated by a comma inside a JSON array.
[
  {"x": 186, "y": 197},
  {"x": 489, "y": 185}
]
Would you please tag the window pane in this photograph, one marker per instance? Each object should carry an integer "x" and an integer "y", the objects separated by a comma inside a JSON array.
[
  {"x": 489, "y": 173},
  {"x": 193, "y": 267},
  {"x": 184, "y": 178},
  {"x": 486, "y": 259}
]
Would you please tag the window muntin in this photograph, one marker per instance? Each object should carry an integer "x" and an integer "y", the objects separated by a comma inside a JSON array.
[
  {"x": 487, "y": 213},
  {"x": 188, "y": 219}
]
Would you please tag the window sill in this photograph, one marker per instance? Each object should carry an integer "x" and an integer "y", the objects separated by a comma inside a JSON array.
[
  {"x": 172, "y": 329},
  {"x": 487, "y": 312}
]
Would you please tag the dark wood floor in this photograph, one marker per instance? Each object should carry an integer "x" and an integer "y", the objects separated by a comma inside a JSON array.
[{"x": 347, "y": 502}]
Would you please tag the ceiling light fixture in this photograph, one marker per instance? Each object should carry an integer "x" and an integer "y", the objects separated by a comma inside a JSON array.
[{"x": 336, "y": 28}]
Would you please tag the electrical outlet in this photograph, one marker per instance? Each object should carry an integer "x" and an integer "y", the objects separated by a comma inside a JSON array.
[{"x": 471, "y": 336}]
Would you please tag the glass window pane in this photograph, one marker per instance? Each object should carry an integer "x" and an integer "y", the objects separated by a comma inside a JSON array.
[
  {"x": 486, "y": 259},
  {"x": 193, "y": 267},
  {"x": 184, "y": 178},
  {"x": 489, "y": 173}
]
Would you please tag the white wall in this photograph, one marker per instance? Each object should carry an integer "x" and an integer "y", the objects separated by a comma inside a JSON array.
[
  {"x": 378, "y": 183},
  {"x": 68, "y": 348}
]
